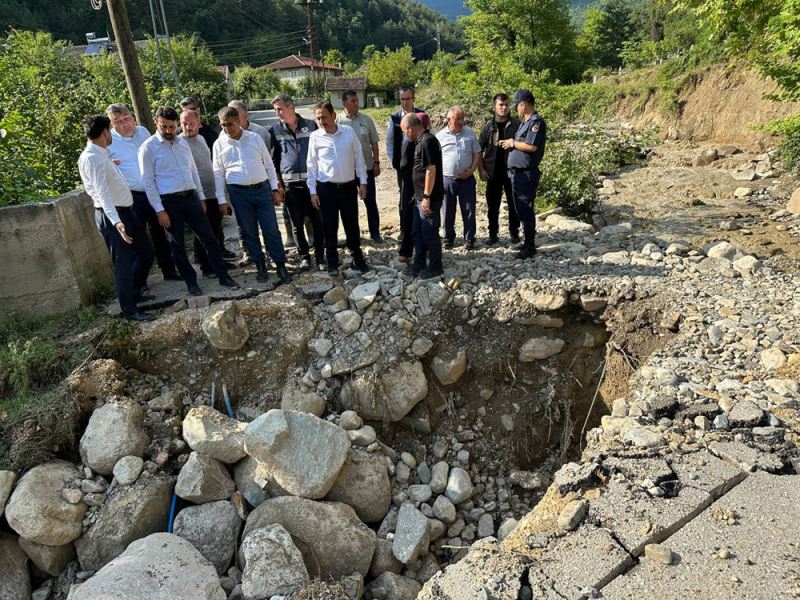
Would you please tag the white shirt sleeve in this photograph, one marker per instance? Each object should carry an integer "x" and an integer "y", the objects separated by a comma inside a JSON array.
[
  {"x": 268, "y": 165},
  {"x": 311, "y": 165},
  {"x": 218, "y": 166},
  {"x": 390, "y": 140},
  {"x": 147, "y": 168},
  {"x": 98, "y": 172}
]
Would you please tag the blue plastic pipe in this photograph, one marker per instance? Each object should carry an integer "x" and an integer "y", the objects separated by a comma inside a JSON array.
[{"x": 228, "y": 405}]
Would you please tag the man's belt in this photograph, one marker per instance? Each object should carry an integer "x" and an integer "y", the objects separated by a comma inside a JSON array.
[
  {"x": 119, "y": 209},
  {"x": 334, "y": 184},
  {"x": 252, "y": 186},
  {"x": 181, "y": 194}
]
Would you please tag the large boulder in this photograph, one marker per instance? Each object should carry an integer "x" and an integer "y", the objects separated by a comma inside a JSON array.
[
  {"x": 209, "y": 432},
  {"x": 129, "y": 514},
  {"x": 213, "y": 529},
  {"x": 38, "y": 512},
  {"x": 225, "y": 327},
  {"x": 203, "y": 479},
  {"x": 274, "y": 566},
  {"x": 302, "y": 452},
  {"x": 389, "y": 398},
  {"x": 50, "y": 559},
  {"x": 114, "y": 430},
  {"x": 161, "y": 566},
  {"x": 332, "y": 539},
  {"x": 364, "y": 485},
  {"x": 15, "y": 582}
]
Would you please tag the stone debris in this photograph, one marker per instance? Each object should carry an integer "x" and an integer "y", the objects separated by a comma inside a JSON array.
[
  {"x": 212, "y": 434},
  {"x": 411, "y": 537},
  {"x": 658, "y": 553},
  {"x": 114, "y": 431},
  {"x": 204, "y": 479},
  {"x": 274, "y": 565},
  {"x": 213, "y": 529},
  {"x": 225, "y": 327}
]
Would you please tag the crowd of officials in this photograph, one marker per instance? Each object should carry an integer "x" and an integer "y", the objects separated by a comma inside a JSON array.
[{"x": 147, "y": 189}]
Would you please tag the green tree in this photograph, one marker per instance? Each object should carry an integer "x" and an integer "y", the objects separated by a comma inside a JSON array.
[
  {"x": 389, "y": 69},
  {"x": 252, "y": 83},
  {"x": 605, "y": 31}
]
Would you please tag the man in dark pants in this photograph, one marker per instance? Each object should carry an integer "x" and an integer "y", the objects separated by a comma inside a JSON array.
[
  {"x": 116, "y": 221},
  {"x": 395, "y": 140},
  {"x": 408, "y": 204},
  {"x": 428, "y": 194},
  {"x": 337, "y": 177},
  {"x": 127, "y": 138},
  {"x": 174, "y": 190},
  {"x": 493, "y": 169},
  {"x": 289, "y": 153},
  {"x": 527, "y": 149}
]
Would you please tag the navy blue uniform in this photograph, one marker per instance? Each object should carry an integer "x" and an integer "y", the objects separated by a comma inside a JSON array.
[{"x": 524, "y": 173}]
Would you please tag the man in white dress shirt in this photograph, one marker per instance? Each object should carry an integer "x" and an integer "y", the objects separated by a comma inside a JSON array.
[
  {"x": 337, "y": 177},
  {"x": 174, "y": 190},
  {"x": 128, "y": 137},
  {"x": 116, "y": 221},
  {"x": 243, "y": 165}
]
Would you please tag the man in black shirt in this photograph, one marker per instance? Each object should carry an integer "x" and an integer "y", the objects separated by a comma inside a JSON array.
[
  {"x": 493, "y": 168},
  {"x": 428, "y": 182}
]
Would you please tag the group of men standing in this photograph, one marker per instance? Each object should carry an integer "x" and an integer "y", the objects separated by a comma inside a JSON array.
[{"x": 438, "y": 172}]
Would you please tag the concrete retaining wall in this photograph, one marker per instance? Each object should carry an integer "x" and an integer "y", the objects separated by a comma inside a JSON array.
[{"x": 52, "y": 259}]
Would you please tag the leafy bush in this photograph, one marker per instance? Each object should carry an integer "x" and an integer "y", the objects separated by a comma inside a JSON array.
[{"x": 789, "y": 148}]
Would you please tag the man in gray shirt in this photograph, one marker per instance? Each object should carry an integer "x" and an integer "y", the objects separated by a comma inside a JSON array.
[
  {"x": 461, "y": 155},
  {"x": 214, "y": 209}
]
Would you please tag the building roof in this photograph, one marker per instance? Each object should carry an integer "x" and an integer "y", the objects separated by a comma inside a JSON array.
[
  {"x": 294, "y": 61},
  {"x": 342, "y": 84}
]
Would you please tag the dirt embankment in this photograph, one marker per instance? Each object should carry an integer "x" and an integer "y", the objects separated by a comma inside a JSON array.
[{"x": 720, "y": 103}]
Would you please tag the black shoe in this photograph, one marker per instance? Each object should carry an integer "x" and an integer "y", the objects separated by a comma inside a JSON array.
[
  {"x": 208, "y": 274},
  {"x": 172, "y": 276},
  {"x": 448, "y": 244},
  {"x": 195, "y": 290},
  {"x": 230, "y": 265},
  {"x": 515, "y": 238},
  {"x": 429, "y": 273},
  {"x": 227, "y": 254},
  {"x": 361, "y": 265},
  {"x": 469, "y": 245},
  {"x": 526, "y": 252},
  {"x": 377, "y": 239},
  {"x": 261, "y": 270},
  {"x": 283, "y": 274},
  {"x": 142, "y": 297},
  {"x": 228, "y": 282},
  {"x": 139, "y": 316},
  {"x": 412, "y": 270},
  {"x": 333, "y": 270},
  {"x": 305, "y": 263},
  {"x": 492, "y": 240}
]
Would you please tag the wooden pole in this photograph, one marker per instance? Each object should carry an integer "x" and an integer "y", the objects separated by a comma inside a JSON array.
[{"x": 130, "y": 63}]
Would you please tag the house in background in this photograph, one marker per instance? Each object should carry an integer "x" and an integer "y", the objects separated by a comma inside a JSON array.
[
  {"x": 336, "y": 85},
  {"x": 293, "y": 68}
]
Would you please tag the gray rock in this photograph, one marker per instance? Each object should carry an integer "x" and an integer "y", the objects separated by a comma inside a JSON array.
[
  {"x": 363, "y": 484},
  {"x": 448, "y": 370},
  {"x": 159, "y": 566},
  {"x": 572, "y": 514},
  {"x": 527, "y": 480},
  {"x": 745, "y": 414},
  {"x": 114, "y": 430},
  {"x": 389, "y": 398},
  {"x": 658, "y": 553},
  {"x": 391, "y": 586},
  {"x": 384, "y": 561},
  {"x": 411, "y": 536},
  {"x": 459, "y": 486},
  {"x": 544, "y": 301},
  {"x": 332, "y": 539},
  {"x": 643, "y": 437},
  {"x": 203, "y": 479},
  {"x": 365, "y": 294},
  {"x": 274, "y": 565},
  {"x": 128, "y": 469},
  {"x": 225, "y": 327},
  {"x": 133, "y": 512},
  {"x": 7, "y": 479},
  {"x": 705, "y": 157},
  {"x": 15, "y": 581},
  {"x": 213, "y": 529},
  {"x": 350, "y": 420},
  {"x": 421, "y": 346},
  {"x": 252, "y": 479},
  {"x": 334, "y": 295},
  {"x": 349, "y": 321},
  {"x": 506, "y": 527},
  {"x": 540, "y": 348},
  {"x": 210, "y": 433},
  {"x": 419, "y": 493},
  {"x": 362, "y": 437},
  {"x": 296, "y": 396},
  {"x": 592, "y": 303},
  {"x": 439, "y": 474},
  {"x": 772, "y": 358},
  {"x": 302, "y": 452},
  {"x": 485, "y": 525},
  {"x": 36, "y": 509},
  {"x": 50, "y": 559},
  {"x": 444, "y": 510},
  {"x": 747, "y": 265}
]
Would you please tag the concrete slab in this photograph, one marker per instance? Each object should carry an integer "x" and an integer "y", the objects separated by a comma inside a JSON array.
[
  {"x": 763, "y": 549},
  {"x": 587, "y": 557},
  {"x": 638, "y": 469},
  {"x": 704, "y": 471},
  {"x": 638, "y": 519},
  {"x": 745, "y": 457}
]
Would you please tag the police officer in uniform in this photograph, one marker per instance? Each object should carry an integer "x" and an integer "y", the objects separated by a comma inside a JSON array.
[{"x": 526, "y": 151}]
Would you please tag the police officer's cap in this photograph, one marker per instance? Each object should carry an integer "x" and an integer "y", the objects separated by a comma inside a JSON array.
[{"x": 523, "y": 96}]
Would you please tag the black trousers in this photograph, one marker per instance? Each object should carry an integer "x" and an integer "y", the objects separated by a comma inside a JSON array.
[
  {"x": 407, "y": 208},
  {"x": 183, "y": 209},
  {"x": 495, "y": 187},
  {"x": 147, "y": 217},
  {"x": 298, "y": 201},
  {"x": 340, "y": 199},
  {"x": 132, "y": 262},
  {"x": 427, "y": 243},
  {"x": 214, "y": 217}
]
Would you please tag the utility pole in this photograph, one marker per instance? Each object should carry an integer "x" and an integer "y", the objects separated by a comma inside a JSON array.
[
  {"x": 311, "y": 5},
  {"x": 130, "y": 63},
  {"x": 438, "y": 37}
]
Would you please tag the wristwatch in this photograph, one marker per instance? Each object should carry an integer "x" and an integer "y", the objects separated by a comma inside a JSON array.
[{"x": 426, "y": 196}]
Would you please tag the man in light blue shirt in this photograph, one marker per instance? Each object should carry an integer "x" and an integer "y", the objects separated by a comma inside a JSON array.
[
  {"x": 461, "y": 155},
  {"x": 128, "y": 137}
]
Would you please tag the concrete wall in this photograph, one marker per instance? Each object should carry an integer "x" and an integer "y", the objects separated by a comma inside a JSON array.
[{"x": 52, "y": 259}]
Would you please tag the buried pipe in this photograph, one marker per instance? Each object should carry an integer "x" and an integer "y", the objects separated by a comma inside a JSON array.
[
  {"x": 172, "y": 512},
  {"x": 228, "y": 405},
  {"x": 213, "y": 397}
]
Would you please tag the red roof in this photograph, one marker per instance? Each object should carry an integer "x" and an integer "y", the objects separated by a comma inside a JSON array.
[
  {"x": 342, "y": 84},
  {"x": 295, "y": 60}
]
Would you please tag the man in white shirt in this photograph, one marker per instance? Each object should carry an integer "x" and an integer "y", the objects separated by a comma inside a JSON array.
[
  {"x": 367, "y": 134},
  {"x": 175, "y": 192},
  {"x": 242, "y": 164},
  {"x": 334, "y": 161},
  {"x": 128, "y": 137},
  {"x": 461, "y": 155},
  {"x": 131, "y": 252}
]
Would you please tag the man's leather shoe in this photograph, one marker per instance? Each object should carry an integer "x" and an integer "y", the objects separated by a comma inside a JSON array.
[
  {"x": 195, "y": 290},
  {"x": 492, "y": 240},
  {"x": 305, "y": 264},
  {"x": 469, "y": 246},
  {"x": 172, "y": 276},
  {"x": 429, "y": 273},
  {"x": 142, "y": 297},
  {"x": 526, "y": 252},
  {"x": 361, "y": 265},
  {"x": 448, "y": 244},
  {"x": 412, "y": 270},
  {"x": 227, "y": 254},
  {"x": 228, "y": 282},
  {"x": 261, "y": 270},
  {"x": 322, "y": 264},
  {"x": 333, "y": 271},
  {"x": 283, "y": 274},
  {"x": 140, "y": 316}
]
